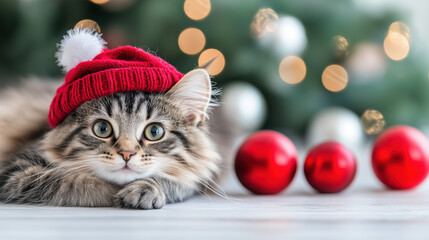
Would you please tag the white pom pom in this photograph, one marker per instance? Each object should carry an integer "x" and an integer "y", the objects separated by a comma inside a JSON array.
[{"x": 77, "y": 46}]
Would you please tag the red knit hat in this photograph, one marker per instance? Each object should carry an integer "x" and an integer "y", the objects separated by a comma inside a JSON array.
[{"x": 92, "y": 74}]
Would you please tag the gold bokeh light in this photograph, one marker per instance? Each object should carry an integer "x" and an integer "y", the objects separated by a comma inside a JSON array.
[
  {"x": 335, "y": 78},
  {"x": 341, "y": 45},
  {"x": 401, "y": 28},
  {"x": 372, "y": 121},
  {"x": 292, "y": 69},
  {"x": 191, "y": 41},
  {"x": 397, "y": 42},
  {"x": 99, "y": 1},
  {"x": 197, "y": 9},
  {"x": 88, "y": 24},
  {"x": 396, "y": 46},
  {"x": 218, "y": 63},
  {"x": 264, "y": 22}
]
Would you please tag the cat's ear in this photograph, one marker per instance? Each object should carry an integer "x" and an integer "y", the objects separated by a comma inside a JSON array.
[{"x": 193, "y": 94}]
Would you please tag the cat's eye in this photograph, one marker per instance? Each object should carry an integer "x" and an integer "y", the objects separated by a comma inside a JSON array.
[
  {"x": 102, "y": 129},
  {"x": 154, "y": 132}
]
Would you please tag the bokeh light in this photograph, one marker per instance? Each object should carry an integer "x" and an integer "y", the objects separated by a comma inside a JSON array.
[
  {"x": 396, "y": 46},
  {"x": 265, "y": 21},
  {"x": 218, "y": 63},
  {"x": 99, "y": 1},
  {"x": 334, "y": 78},
  {"x": 88, "y": 24},
  {"x": 341, "y": 45},
  {"x": 197, "y": 9},
  {"x": 372, "y": 121},
  {"x": 397, "y": 41},
  {"x": 401, "y": 28},
  {"x": 191, "y": 41},
  {"x": 292, "y": 69}
]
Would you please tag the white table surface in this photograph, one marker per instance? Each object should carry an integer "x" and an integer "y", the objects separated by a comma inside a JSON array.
[{"x": 364, "y": 211}]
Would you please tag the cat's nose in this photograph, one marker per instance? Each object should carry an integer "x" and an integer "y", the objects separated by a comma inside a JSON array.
[{"x": 127, "y": 154}]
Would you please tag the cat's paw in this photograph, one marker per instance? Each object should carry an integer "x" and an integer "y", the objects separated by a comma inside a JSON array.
[{"x": 141, "y": 194}]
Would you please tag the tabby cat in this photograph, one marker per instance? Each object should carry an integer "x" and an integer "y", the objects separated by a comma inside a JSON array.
[{"x": 130, "y": 149}]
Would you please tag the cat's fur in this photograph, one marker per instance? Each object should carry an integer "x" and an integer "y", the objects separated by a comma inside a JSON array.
[{"x": 70, "y": 166}]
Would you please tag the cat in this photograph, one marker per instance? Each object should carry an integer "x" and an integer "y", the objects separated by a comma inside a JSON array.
[{"x": 130, "y": 149}]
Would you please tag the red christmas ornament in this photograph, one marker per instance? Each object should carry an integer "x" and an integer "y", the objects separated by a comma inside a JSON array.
[
  {"x": 266, "y": 162},
  {"x": 400, "y": 157},
  {"x": 330, "y": 167}
]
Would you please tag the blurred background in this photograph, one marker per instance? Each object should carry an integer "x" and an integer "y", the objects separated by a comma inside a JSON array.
[{"x": 314, "y": 70}]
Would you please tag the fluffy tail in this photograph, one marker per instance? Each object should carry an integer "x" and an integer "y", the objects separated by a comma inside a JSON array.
[{"x": 23, "y": 113}]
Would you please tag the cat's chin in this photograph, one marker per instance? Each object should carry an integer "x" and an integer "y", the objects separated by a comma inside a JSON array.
[{"x": 121, "y": 176}]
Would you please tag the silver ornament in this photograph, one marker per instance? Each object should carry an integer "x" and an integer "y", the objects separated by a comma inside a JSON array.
[
  {"x": 289, "y": 38},
  {"x": 243, "y": 106},
  {"x": 336, "y": 124}
]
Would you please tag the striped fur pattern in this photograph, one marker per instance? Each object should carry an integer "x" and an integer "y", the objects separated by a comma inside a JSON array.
[{"x": 72, "y": 166}]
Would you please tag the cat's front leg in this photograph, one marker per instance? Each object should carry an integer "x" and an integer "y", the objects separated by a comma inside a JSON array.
[
  {"x": 29, "y": 183},
  {"x": 152, "y": 193}
]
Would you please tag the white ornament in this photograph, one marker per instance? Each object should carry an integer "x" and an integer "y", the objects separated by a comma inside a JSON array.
[
  {"x": 368, "y": 62},
  {"x": 77, "y": 46},
  {"x": 288, "y": 39},
  {"x": 244, "y": 106},
  {"x": 336, "y": 124}
]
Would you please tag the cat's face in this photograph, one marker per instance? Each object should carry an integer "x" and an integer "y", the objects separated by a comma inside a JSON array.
[{"x": 133, "y": 135}]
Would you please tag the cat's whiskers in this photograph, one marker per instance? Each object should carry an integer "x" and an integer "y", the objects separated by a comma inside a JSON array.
[
  {"x": 217, "y": 189},
  {"x": 192, "y": 186},
  {"x": 197, "y": 188}
]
